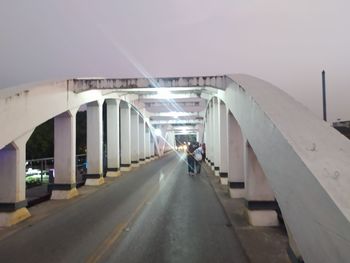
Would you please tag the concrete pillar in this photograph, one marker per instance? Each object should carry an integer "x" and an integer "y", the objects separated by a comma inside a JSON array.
[
  {"x": 13, "y": 183},
  {"x": 261, "y": 202},
  {"x": 125, "y": 138},
  {"x": 167, "y": 143},
  {"x": 205, "y": 132},
  {"x": 200, "y": 133},
  {"x": 235, "y": 152},
  {"x": 162, "y": 143},
  {"x": 216, "y": 132},
  {"x": 147, "y": 143},
  {"x": 156, "y": 139},
  {"x": 134, "y": 138},
  {"x": 94, "y": 143},
  {"x": 156, "y": 147},
  {"x": 152, "y": 145},
  {"x": 207, "y": 136},
  {"x": 210, "y": 145},
  {"x": 142, "y": 135},
  {"x": 172, "y": 143},
  {"x": 208, "y": 142},
  {"x": 222, "y": 115},
  {"x": 64, "y": 186},
  {"x": 212, "y": 132},
  {"x": 113, "y": 155}
]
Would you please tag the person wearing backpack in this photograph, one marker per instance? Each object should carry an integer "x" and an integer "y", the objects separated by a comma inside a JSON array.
[
  {"x": 198, "y": 156},
  {"x": 190, "y": 159}
]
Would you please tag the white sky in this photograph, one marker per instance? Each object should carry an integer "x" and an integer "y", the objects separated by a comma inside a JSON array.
[{"x": 287, "y": 43}]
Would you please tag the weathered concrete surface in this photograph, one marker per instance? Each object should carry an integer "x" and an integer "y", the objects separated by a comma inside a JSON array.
[
  {"x": 21, "y": 108},
  {"x": 306, "y": 163},
  {"x": 261, "y": 244},
  {"x": 184, "y": 222},
  {"x": 305, "y": 160},
  {"x": 93, "y": 84}
]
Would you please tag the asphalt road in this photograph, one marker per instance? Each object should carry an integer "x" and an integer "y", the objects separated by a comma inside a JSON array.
[{"x": 155, "y": 213}]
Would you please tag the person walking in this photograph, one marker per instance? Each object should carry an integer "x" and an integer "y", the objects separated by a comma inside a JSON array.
[
  {"x": 190, "y": 159},
  {"x": 204, "y": 151},
  {"x": 198, "y": 155}
]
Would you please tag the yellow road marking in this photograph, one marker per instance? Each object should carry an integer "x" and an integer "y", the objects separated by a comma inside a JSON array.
[{"x": 118, "y": 230}]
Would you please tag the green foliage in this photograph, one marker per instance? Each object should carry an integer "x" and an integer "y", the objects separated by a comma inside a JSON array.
[
  {"x": 81, "y": 132},
  {"x": 41, "y": 143}
]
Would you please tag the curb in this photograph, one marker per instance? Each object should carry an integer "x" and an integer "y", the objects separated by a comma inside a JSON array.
[{"x": 260, "y": 244}]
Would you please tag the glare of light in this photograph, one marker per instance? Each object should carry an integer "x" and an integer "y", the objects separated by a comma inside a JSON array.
[
  {"x": 158, "y": 132},
  {"x": 163, "y": 94},
  {"x": 176, "y": 114}
]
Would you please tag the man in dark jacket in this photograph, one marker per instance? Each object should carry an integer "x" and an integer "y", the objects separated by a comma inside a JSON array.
[{"x": 190, "y": 159}]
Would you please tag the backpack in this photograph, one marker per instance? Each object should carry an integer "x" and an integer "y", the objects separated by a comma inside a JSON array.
[{"x": 198, "y": 157}]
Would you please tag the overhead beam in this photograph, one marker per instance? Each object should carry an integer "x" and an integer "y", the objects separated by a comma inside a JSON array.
[
  {"x": 184, "y": 95},
  {"x": 84, "y": 84},
  {"x": 193, "y": 121}
]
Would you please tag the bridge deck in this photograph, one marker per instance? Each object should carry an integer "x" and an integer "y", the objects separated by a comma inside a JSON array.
[{"x": 155, "y": 213}]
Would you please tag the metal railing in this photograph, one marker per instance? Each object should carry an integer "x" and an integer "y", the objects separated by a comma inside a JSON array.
[{"x": 42, "y": 167}]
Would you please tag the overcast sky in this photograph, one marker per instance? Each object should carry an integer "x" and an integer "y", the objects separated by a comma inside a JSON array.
[{"x": 287, "y": 43}]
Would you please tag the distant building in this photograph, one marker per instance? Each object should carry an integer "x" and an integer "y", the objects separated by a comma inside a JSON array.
[{"x": 343, "y": 127}]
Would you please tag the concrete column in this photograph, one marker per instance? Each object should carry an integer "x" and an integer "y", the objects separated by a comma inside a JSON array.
[
  {"x": 134, "y": 138},
  {"x": 235, "y": 152},
  {"x": 212, "y": 133},
  {"x": 113, "y": 155},
  {"x": 171, "y": 140},
  {"x": 94, "y": 143},
  {"x": 205, "y": 133},
  {"x": 64, "y": 186},
  {"x": 147, "y": 143},
  {"x": 210, "y": 148},
  {"x": 152, "y": 145},
  {"x": 200, "y": 133},
  {"x": 223, "y": 143},
  {"x": 13, "y": 183},
  {"x": 261, "y": 202},
  {"x": 216, "y": 132},
  {"x": 208, "y": 143},
  {"x": 162, "y": 141},
  {"x": 156, "y": 147},
  {"x": 125, "y": 138},
  {"x": 142, "y": 156},
  {"x": 168, "y": 143},
  {"x": 207, "y": 137}
]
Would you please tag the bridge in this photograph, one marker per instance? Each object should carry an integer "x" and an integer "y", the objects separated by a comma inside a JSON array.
[{"x": 266, "y": 147}]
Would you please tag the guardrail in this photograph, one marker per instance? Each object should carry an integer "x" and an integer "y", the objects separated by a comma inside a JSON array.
[{"x": 38, "y": 170}]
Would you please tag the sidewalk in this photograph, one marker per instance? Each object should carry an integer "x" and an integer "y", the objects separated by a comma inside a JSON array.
[{"x": 261, "y": 244}]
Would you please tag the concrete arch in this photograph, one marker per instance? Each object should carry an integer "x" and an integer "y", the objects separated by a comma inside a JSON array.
[
  {"x": 23, "y": 112},
  {"x": 26, "y": 107},
  {"x": 235, "y": 154},
  {"x": 305, "y": 160}
]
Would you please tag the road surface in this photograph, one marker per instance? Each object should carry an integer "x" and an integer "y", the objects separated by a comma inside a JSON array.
[{"x": 155, "y": 213}]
